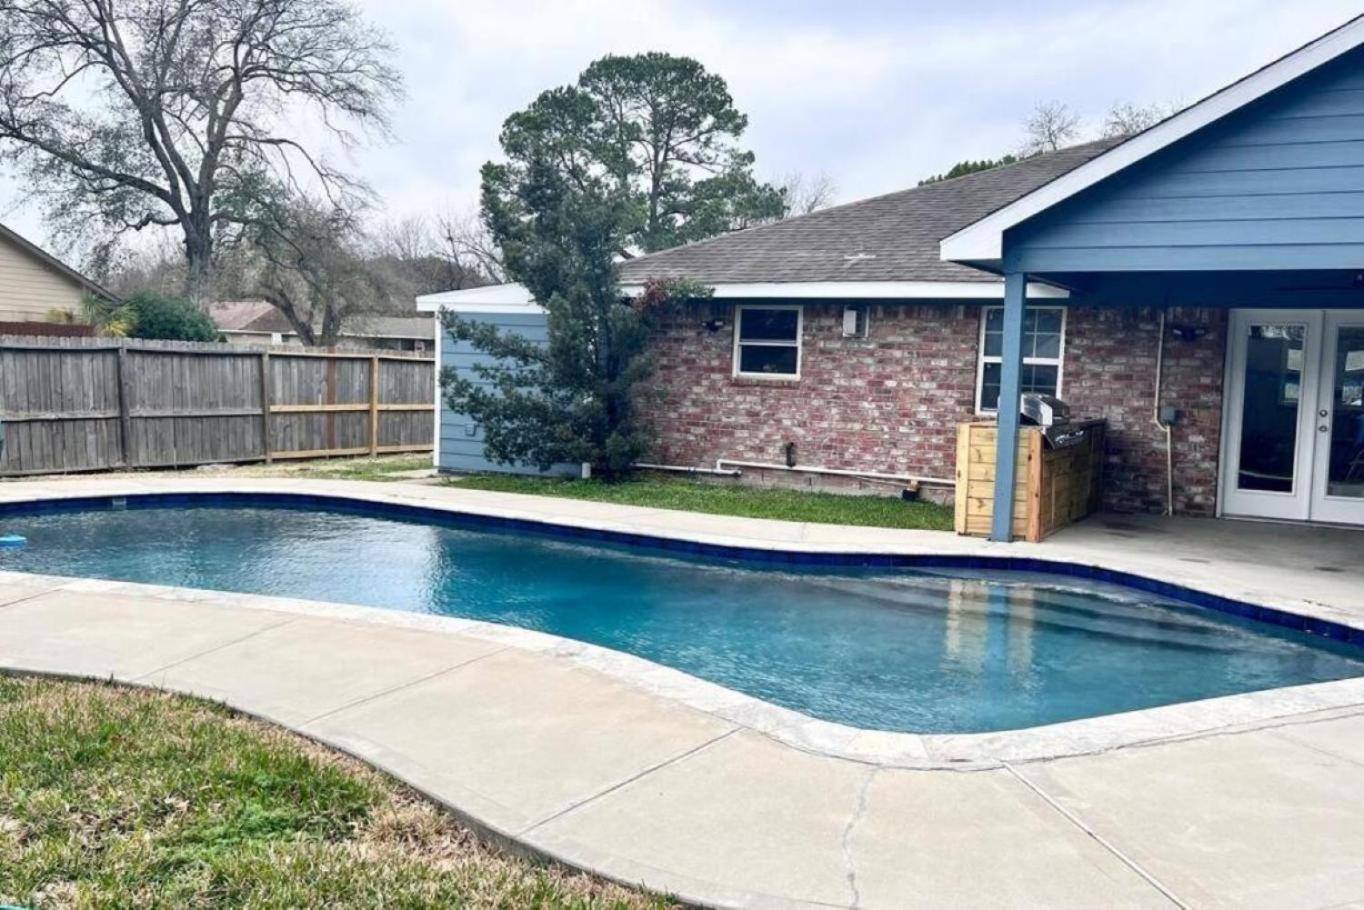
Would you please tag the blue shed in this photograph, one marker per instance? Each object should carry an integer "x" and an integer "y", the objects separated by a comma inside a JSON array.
[{"x": 459, "y": 439}]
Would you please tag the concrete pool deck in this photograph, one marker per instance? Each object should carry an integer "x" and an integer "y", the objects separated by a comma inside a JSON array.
[{"x": 577, "y": 756}]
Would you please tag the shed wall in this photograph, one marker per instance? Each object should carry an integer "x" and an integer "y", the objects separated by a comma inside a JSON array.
[{"x": 461, "y": 439}]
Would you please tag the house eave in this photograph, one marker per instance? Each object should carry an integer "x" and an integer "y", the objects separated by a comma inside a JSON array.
[{"x": 513, "y": 298}]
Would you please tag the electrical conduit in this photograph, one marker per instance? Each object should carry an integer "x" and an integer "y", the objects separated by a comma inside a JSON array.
[{"x": 1166, "y": 428}]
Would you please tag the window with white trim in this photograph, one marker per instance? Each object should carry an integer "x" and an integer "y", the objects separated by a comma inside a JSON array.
[
  {"x": 1044, "y": 333},
  {"x": 767, "y": 341}
]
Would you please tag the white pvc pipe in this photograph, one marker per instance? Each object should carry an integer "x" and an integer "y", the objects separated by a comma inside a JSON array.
[
  {"x": 684, "y": 469},
  {"x": 836, "y": 472},
  {"x": 1165, "y": 427}
]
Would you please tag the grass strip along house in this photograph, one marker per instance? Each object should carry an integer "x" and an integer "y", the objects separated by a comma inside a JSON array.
[{"x": 1199, "y": 286}]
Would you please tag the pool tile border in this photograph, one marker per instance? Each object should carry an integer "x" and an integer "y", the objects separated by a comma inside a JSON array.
[{"x": 972, "y": 751}]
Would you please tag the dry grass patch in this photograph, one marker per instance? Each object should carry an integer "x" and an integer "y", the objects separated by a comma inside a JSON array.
[
  {"x": 383, "y": 468},
  {"x": 114, "y": 797}
]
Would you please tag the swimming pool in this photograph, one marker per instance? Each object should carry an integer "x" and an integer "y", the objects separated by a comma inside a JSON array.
[{"x": 889, "y": 648}]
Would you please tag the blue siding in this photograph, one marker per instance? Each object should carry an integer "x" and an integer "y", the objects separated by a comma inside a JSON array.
[
  {"x": 461, "y": 440},
  {"x": 1277, "y": 185}
]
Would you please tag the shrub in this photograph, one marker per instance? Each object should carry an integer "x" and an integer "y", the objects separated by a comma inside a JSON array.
[{"x": 172, "y": 318}]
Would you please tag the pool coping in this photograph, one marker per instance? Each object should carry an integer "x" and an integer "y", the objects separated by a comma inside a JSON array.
[{"x": 964, "y": 751}]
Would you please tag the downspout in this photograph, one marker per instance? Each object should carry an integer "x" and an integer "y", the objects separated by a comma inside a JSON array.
[{"x": 1166, "y": 428}]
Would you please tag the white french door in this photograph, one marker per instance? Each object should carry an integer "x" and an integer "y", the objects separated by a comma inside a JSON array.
[
  {"x": 1294, "y": 441},
  {"x": 1338, "y": 463}
]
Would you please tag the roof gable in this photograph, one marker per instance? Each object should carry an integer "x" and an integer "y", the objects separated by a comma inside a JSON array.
[
  {"x": 1278, "y": 184},
  {"x": 982, "y": 242},
  {"x": 52, "y": 263}
]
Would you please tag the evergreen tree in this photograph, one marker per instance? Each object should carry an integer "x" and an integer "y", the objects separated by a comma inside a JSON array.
[
  {"x": 660, "y": 133},
  {"x": 574, "y": 399},
  {"x": 640, "y": 154},
  {"x": 962, "y": 168}
]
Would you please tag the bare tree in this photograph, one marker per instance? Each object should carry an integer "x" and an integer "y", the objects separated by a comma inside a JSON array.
[
  {"x": 155, "y": 266},
  {"x": 468, "y": 246},
  {"x": 805, "y": 193},
  {"x": 312, "y": 262},
  {"x": 1127, "y": 119},
  {"x": 1051, "y": 126},
  {"x": 421, "y": 260},
  {"x": 172, "y": 113},
  {"x": 405, "y": 239}
]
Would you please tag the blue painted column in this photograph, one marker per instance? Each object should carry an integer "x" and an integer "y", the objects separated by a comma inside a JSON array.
[{"x": 1010, "y": 387}]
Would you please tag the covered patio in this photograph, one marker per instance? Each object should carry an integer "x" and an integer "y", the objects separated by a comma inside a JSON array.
[
  {"x": 1314, "y": 570},
  {"x": 1250, "y": 204}
]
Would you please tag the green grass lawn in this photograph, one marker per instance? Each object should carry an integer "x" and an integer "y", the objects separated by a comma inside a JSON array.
[
  {"x": 691, "y": 495},
  {"x": 114, "y": 797}
]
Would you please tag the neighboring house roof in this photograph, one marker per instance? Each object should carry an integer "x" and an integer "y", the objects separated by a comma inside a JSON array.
[
  {"x": 890, "y": 238},
  {"x": 392, "y": 327},
  {"x": 259, "y": 317},
  {"x": 52, "y": 262},
  {"x": 240, "y": 315},
  {"x": 982, "y": 240}
]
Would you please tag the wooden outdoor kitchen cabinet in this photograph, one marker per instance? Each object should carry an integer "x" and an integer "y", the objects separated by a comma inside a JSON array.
[{"x": 1054, "y": 486}]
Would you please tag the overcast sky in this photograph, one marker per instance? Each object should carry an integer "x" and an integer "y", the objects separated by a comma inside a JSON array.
[{"x": 876, "y": 93}]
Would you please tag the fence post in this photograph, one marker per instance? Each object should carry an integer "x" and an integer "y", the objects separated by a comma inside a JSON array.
[
  {"x": 125, "y": 423},
  {"x": 329, "y": 417},
  {"x": 266, "y": 402},
  {"x": 373, "y": 406}
]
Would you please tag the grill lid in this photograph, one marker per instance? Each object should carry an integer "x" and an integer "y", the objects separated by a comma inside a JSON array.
[{"x": 1043, "y": 410}]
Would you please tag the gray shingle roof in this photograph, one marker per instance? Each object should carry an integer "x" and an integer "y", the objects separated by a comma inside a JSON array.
[{"x": 886, "y": 238}]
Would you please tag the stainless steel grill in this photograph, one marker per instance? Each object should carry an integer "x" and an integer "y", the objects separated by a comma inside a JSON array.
[{"x": 1053, "y": 416}]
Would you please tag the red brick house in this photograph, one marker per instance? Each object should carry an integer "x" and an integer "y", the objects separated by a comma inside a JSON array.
[
  {"x": 896, "y": 347},
  {"x": 1200, "y": 286},
  {"x": 876, "y": 349}
]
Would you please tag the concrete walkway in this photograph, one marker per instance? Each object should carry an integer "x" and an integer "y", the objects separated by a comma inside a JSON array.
[{"x": 520, "y": 736}]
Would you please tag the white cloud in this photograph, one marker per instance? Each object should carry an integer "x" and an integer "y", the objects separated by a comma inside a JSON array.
[
  {"x": 878, "y": 94},
  {"x": 877, "y": 100}
]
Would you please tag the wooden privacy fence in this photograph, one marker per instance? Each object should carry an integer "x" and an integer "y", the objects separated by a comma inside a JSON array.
[{"x": 76, "y": 404}]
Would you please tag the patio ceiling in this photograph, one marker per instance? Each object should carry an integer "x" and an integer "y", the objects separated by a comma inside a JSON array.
[{"x": 1307, "y": 289}]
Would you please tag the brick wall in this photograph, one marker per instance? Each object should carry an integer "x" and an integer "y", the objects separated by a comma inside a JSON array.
[
  {"x": 890, "y": 402},
  {"x": 1110, "y": 372}
]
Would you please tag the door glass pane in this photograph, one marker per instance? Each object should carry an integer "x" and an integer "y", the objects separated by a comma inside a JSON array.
[
  {"x": 1269, "y": 417},
  {"x": 1346, "y": 477}
]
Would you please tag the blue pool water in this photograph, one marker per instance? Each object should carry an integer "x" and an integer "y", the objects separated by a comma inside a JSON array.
[{"x": 889, "y": 649}]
